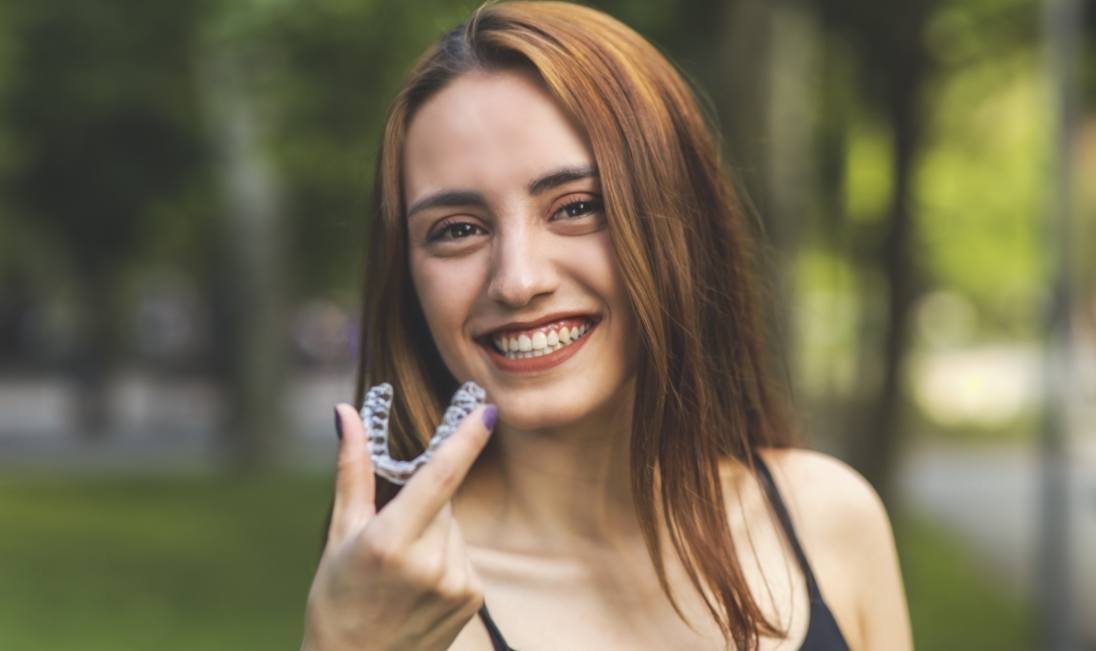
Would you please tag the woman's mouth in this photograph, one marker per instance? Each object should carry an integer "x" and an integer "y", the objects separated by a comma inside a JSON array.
[{"x": 540, "y": 347}]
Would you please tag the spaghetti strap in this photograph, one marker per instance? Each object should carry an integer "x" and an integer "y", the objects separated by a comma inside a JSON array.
[
  {"x": 498, "y": 642},
  {"x": 786, "y": 522}
]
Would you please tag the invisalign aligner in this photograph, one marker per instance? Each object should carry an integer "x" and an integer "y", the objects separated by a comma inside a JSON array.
[{"x": 374, "y": 413}]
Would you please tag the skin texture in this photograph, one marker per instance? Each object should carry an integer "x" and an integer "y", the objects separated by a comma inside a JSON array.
[{"x": 542, "y": 520}]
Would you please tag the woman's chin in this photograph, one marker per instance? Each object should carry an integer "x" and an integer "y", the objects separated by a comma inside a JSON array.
[{"x": 520, "y": 417}]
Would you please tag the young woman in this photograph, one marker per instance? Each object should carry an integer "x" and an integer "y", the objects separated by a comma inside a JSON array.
[{"x": 553, "y": 222}]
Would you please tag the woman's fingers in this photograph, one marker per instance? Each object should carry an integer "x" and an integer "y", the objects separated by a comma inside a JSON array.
[
  {"x": 420, "y": 500},
  {"x": 354, "y": 487},
  {"x": 402, "y": 573}
]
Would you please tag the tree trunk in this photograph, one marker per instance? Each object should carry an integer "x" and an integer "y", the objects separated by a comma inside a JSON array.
[
  {"x": 95, "y": 356},
  {"x": 250, "y": 305},
  {"x": 789, "y": 191},
  {"x": 876, "y": 451}
]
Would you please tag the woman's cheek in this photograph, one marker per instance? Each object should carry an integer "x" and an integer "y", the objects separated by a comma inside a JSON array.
[{"x": 447, "y": 293}]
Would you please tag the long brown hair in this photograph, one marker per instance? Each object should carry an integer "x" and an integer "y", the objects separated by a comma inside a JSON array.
[{"x": 681, "y": 239}]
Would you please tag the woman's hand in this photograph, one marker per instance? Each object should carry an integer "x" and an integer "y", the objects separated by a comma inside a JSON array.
[{"x": 398, "y": 579}]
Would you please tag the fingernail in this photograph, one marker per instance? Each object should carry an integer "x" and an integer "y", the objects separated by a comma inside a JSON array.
[
  {"x": 338, "y": 424},
  {"x": 490, "y": 415}
]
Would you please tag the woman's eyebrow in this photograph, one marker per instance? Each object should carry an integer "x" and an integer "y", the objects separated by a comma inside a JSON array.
[
  {"x": 448, "y": 198},
  {"x": 561, "y": 176},
  {"x": 551, "y": 180}
]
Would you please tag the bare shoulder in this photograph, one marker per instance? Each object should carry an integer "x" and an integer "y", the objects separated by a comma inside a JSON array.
[
  {"x": 831, "y": 496},
  {"x": 847, "y": 536}
]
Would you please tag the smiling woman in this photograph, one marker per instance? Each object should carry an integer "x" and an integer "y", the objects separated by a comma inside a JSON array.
[{"x": 552, "y": 221}]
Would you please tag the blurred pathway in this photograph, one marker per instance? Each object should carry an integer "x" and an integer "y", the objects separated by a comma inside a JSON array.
[
  {"x": 989, "y": 496},
  {"x": 158, "y": 423}
]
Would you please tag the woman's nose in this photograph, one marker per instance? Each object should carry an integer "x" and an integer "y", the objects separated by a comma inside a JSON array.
[{"x": 521, "y": 269}]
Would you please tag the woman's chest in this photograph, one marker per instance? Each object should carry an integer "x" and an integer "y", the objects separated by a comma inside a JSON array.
[
  {"x": 600, "y": 611},
  {"x": 613, "y": 600}
]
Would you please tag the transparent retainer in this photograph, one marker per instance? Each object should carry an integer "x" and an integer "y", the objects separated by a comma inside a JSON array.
[{"x": 374, "y": 413}]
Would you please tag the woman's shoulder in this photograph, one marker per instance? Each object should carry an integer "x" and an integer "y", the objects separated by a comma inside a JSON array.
[
  {"x": 846, "y": 533},
  {"x": 824, "y": 487},
  {"x": 831, "y": 504},
  {"x": 833, "y": 508}
]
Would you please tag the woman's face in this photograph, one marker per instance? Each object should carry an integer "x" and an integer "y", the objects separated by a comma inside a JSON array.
[{"x": 509, "y": 251}]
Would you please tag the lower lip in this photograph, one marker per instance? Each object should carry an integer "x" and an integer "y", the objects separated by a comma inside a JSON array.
[{"x": 542, "y": 363}]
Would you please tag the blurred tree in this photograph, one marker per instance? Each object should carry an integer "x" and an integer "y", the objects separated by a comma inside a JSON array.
[
  {"x": 248, "y": 295},
  {"x": 1087, "y": 237},
  {"x": 888, "y": 41},
  {"x": 103, "y": 129},
  {"x": 325, "y": 73},
  {"x": 932, "y": 118},
  {"x": 1061, "y": 22}
]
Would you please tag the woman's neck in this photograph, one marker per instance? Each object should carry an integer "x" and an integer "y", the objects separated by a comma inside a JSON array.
[{"x": 549, "y": 491}]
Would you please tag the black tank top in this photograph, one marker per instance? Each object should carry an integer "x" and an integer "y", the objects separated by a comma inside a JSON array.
[{"x": 823, "y": 634}]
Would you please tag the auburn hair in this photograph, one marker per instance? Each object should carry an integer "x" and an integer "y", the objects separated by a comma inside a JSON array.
[{"x": 681, "y": 238}]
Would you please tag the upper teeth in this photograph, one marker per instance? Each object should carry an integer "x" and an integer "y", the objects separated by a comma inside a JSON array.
[{"x": 541, "y": 342}]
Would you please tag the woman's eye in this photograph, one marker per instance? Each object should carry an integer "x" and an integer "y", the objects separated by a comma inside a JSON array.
[
  {"x": 454, "y": 231},
  {"x": 579, "y": 208}
]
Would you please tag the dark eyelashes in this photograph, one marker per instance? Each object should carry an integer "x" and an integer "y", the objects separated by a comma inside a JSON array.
[
  {"x": 451, "y": 230},
  {"x": 459, "y": 230},
  {"x": 594, "y": 205}
]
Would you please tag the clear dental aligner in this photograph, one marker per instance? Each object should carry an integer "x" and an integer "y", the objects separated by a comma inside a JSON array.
[{"x": 374, "y": 413}]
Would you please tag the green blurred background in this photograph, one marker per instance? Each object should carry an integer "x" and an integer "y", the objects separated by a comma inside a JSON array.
[{"x": 183, "y": 188}]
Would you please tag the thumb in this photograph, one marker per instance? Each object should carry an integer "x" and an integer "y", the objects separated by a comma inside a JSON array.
[{"x": 354, "y": 483}]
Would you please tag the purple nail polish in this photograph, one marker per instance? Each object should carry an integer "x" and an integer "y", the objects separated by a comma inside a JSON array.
[
  {"x": 338, "y": 424},
  {"x": 490, "y": 415}
]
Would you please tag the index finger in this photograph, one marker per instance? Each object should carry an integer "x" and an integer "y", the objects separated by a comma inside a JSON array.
[{"x": 420, "y": 500}]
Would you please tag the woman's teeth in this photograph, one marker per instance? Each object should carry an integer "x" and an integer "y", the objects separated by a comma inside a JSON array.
[{"x": 539, "y": 342}]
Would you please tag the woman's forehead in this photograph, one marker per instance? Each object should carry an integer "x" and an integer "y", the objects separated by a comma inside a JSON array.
[{"x": 491, "y": 132}]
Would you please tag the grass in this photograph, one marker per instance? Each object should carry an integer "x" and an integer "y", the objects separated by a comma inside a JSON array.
[
  {"x": 209, "y": 562},
  {"x": 157, "y": 563},
  {"x": 953, "y": 604}
]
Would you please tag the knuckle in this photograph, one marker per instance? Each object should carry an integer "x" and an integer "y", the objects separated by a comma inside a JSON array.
[
  {"x": 474, "y": 598},
  {"x": 426, "y": 574},
  {"x": 449, "y": 592},
  {"x": 475, "y": 591},
  {"x": 470, "y": 603},
  {"x": 379, "y": 553},
  {"x": 458, "y": 591}
]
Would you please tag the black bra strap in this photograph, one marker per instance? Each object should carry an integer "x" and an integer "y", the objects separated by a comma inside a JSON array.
[
  {"x": 497, "y": 641},
  {"x": 786, "y": 523}
]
